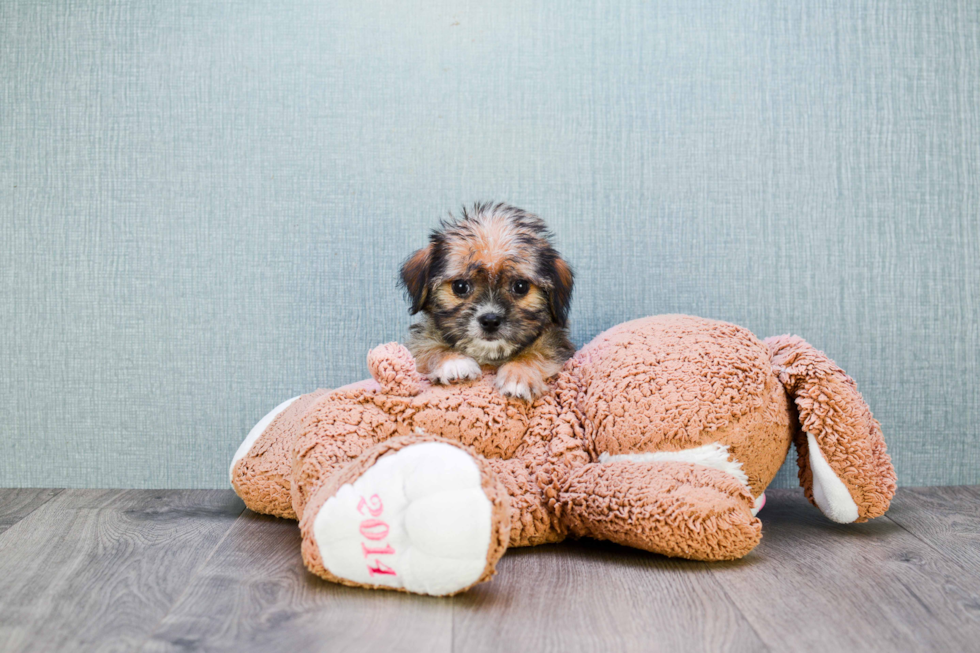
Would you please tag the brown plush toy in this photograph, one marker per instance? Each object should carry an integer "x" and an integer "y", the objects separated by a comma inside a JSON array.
[{"x": 661, "y": 434}]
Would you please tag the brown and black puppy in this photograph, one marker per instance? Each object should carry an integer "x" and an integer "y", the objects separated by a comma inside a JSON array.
[{"x": 493, "y": 292}]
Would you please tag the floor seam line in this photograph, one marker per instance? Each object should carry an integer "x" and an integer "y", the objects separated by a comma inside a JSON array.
[
  {"x": 930, "y": 545},
  {"x": 190, "y": 580},
  {"x": 58, "y": 492},
  {"x": 715, "y": 579}
]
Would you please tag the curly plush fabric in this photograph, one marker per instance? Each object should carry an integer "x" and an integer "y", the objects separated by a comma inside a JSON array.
[
  {"x": 662, "y": 434},
  {"x": 832, "y": 410},
  {"x": 683, "y": 509},
  {"x": 393, "y": 368},
  {"x": 264, "y": 477}
]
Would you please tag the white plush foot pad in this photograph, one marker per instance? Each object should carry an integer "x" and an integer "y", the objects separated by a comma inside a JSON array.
[{"x": 418, "y": 519}]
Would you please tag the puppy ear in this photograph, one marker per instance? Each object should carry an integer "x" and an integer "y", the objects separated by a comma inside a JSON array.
[
  {"x": 560, "y": 293},
  {"x": 415, "y": 277}
]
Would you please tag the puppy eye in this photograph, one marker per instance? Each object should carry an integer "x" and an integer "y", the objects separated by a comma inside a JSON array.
[
  {"x": 521, "y": 286},
  {"x": 461, "y": 287}
]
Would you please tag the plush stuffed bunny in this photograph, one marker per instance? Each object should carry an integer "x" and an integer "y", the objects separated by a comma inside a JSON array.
[{"x": 661, "y": 434}]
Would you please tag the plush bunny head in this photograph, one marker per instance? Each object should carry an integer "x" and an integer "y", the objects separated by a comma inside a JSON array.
[{"x": 668, "y": 387}]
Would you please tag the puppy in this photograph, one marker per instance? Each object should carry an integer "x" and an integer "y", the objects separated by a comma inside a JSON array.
[{"x": 494, "y": 293}]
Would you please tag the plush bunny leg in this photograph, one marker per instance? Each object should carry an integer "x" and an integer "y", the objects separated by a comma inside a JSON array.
[
  {"x": 844, "y": 468},
  {"x": 674, "y": 508},
  {"x": 415, "y": 513}
]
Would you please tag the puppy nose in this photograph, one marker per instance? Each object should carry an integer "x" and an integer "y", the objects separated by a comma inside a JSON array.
[{"x": 490, "y": 321}]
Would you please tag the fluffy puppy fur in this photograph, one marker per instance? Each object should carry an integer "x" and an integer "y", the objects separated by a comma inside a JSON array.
[{"x": 493, "y": 293}]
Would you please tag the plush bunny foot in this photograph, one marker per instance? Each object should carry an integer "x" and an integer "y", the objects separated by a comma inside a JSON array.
[{"x": 421, "y": 519}]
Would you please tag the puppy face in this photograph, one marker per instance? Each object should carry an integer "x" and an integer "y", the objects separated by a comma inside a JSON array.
[{"x": 491, "y": 282}]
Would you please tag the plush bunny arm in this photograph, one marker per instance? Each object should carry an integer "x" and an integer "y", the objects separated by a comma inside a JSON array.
[
  {"x": 844, "y": 468},
  {"x": 674, "y": 508},
  {"x": 552, "y": 447}
]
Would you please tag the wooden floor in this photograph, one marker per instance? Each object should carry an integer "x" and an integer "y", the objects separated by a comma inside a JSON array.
[{"x": 127, "y": 570}]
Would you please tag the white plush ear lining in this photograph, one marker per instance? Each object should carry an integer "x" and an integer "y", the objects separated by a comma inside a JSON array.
[{"x": 829, "y": 492}]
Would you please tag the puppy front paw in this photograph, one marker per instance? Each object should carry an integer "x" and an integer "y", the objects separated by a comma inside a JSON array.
[
  {"x": 521, "y": 380},
  {"x": 456, "y": 368}
]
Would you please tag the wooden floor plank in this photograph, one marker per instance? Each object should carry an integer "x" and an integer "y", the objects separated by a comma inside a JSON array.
[
  {"x": 946, "y": 518},
  {"x": 97, "y": 569},
  {"x": 815, "y": 585},
  {"x": 591, "y": 596},
  {"x": 254, "y": 594},
  {"x": 17, "y": 503},
  {"x": 181, "y": 570}
]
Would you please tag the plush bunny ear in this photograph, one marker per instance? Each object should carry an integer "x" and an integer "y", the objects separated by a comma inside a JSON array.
[
  {"x": 844, "y": 468},
  {"x": 393, "y": 367}
]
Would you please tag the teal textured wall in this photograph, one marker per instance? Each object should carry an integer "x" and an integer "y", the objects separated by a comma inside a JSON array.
[{"x": 203, "y": 205}]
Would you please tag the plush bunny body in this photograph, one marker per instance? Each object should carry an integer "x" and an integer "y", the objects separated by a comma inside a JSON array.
[{"x": 662, "y": 434}]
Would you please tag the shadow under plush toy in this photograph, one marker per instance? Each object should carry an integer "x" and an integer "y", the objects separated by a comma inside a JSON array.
[{"x": 661, "y": 434}]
